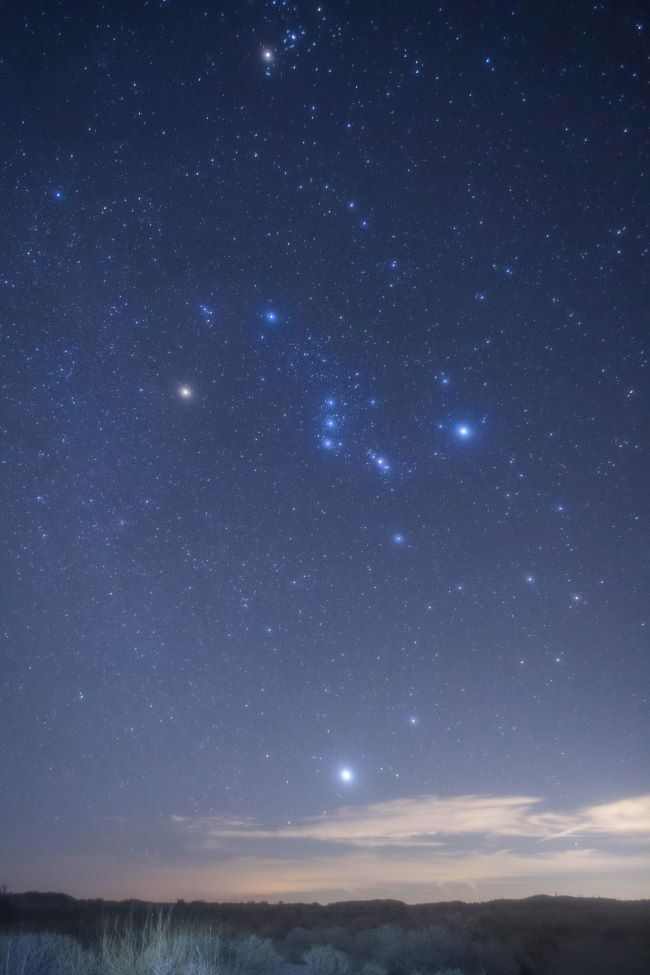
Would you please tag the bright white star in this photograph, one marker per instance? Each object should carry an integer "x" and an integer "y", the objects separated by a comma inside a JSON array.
[
  {"x": 185, "y": 392},
  {"x": 346, "y": 775}
]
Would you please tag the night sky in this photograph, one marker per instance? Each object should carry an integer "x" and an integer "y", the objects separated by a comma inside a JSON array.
[{"x": 324, "y": 484}]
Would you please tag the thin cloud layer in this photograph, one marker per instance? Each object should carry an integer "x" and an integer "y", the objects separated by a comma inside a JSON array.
[
  {"x": 431, "y": 875},
  {"x": 419, "y": 849},
  {"x": 427, "y": 847},
  {"x": 431, "y": 821}
]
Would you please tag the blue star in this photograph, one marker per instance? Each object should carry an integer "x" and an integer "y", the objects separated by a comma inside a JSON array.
[
  {"x": 463, "y": 431},
  {"x": 270, "y": 316},
  {"x": 398, "y": 538}
]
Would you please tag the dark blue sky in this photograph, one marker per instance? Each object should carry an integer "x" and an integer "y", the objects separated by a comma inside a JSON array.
[{"x": 325, "y": 448}]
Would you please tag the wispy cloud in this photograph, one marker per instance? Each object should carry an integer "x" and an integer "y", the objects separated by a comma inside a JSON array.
[
  {"x": 431, "y": 821},
  {"x": 624, "y": 817}
]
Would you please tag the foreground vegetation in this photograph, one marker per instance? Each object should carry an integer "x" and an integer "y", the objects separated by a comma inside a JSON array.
[
  {"x": 162, "y": 948},
  {"x": 44, "y": 934}
]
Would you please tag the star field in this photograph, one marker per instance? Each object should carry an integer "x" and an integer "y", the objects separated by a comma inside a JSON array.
[{"x": 325, "y": 415}]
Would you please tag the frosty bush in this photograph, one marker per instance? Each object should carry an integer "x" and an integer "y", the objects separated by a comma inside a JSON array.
[
  {"x": 326, "y": 960},
  {"x": 297, "y": 942},
  {"x": 495, "y": 958},
  {"x": 257, "y": 956},
  {"x": 386, "y": 946},
  {"x": 427, "y": 949},
  {"x": 371, "y": 968},
  {"x": 422, "y": 950},
  {"x": 43, "y": 954},
  {"x": 160, "y": 949},
  {"x": 444, "y": 971}
]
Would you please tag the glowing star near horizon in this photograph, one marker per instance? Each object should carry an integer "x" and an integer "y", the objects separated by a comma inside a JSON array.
[{"x": 345, "y": 775}]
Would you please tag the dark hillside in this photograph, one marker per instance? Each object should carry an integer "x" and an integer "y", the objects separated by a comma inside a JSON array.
[{"x": 538, "y": 935}]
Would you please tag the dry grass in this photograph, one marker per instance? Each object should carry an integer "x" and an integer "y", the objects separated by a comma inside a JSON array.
[{"x": 159, "y": 948}]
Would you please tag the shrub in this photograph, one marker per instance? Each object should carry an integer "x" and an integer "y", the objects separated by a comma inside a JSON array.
[
  {"x": 43, "y": 954},
  {"x": 297, "y": 942},
  {"x": 372, "y": 968},
  {"x": 326, "y": 960},
  {"x": 495, "y": 958},
  {"x": 428, "y": 949},
  {"x": 387, "y": 946},
  {"x": 257, "y": 956},
  {"x": 160, "y": 949}
]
